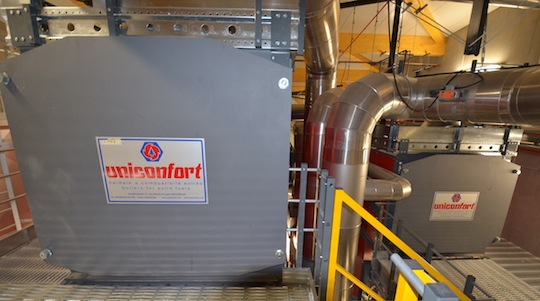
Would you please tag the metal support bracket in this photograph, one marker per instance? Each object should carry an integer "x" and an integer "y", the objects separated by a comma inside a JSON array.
[
  {"x": 258, "y": 23},
  {"x": 429, "y": 252},
  {"x": 469, "y": 286},
  {"x": 403, "y": 146},
  {"x": 301, "y": 26},
  {"x": 112, "y": 9},
  {"x": 506, "y": 143},
  {"x": 281, "y": 30},
  {"x": 327, "y": 211},
  {"x": 476, "y": 28},
  {"x": 392, "y": 138},
  {"x": 457, "y": 141},
  {"x": 23, "y": 27}
]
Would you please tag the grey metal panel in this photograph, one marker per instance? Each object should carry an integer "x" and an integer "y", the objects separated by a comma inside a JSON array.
[
  {"x": 493, "y": 177},
  {"x": 64, "y": 94}
]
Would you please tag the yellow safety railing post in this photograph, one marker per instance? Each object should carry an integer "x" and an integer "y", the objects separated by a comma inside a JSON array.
[
  {"x": 334, "y": 244},
  {"x": 342, "y": 197},
  {"x": 333, "y": 266}
]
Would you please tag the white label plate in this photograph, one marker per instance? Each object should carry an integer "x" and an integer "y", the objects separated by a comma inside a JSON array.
[
  {"x": 454, "y": 206},
  {"x": 153, "y": 170}
]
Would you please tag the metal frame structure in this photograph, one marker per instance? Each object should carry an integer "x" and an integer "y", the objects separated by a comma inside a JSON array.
[
  {"x": 266, "y": 25},
  {"x": 409, "y": 139},
  {"x": 325, "y": 209}
]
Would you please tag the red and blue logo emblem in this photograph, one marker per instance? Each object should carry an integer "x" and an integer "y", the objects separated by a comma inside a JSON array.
[
  {"x": 151, "y": 151},
  {"x": 456, "y": 197}
]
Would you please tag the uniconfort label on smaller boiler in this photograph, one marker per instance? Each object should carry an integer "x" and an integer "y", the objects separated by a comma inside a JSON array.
[
  {"x": 153, "y": 170},
  {"x": 454, "y": 206}
]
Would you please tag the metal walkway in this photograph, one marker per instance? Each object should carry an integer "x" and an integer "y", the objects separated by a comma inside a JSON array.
[
  {"x": 519, "y": 262},
  {"x": 24, "y": 276},
  {"x": 507, "y": 273},
  {"x": 493, "y": 279}
]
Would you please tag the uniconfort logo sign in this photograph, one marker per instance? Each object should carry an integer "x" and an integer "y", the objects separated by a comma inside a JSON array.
[
  {"x": 153, "y": 170},
  {"x": 454, "y": 206},
  {"x": 151, "y": 151}
]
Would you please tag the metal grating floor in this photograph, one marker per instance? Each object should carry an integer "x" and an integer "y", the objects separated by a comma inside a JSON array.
[
  {"x": 121, "y": 293},
  {"x": 25, "y": 266},
  {"x": 508, "y": 273},
  {"x": 24, "y": 276},
  {"x": 517, "y": 261},
  {"x": 497, "y": 282}
]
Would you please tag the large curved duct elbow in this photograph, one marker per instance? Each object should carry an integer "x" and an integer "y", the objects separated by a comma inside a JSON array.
[
  {"x": 346, "y": 153},
  {"x": 349, "y": 128},
  {"x": 321, "y": 48}
]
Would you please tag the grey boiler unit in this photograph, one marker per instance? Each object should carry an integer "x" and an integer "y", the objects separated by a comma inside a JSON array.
[
  {"x": 153, "y": 156},
  {"x": 462, "y": 186}
]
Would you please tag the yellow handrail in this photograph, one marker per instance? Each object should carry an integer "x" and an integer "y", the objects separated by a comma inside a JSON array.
[{"x": 333, "y": 267}]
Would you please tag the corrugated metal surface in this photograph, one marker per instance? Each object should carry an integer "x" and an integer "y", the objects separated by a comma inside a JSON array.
[{"x": 65, "y": 94}]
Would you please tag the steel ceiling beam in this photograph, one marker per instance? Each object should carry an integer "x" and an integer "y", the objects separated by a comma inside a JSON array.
[{"x": 358, "y": 3}]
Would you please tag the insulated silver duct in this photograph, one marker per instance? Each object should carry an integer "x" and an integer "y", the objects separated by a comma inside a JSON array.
[
  {"x": 320, "y": 55},
  {"x": 508, "y": 96},
  {"x": 385, "y": 185},
  {"x": 314, "y": 135},
  {"x": 504, "y": 97},
  {"x": 321, "y": 48},
  {"x": 346, "y": 154}
]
